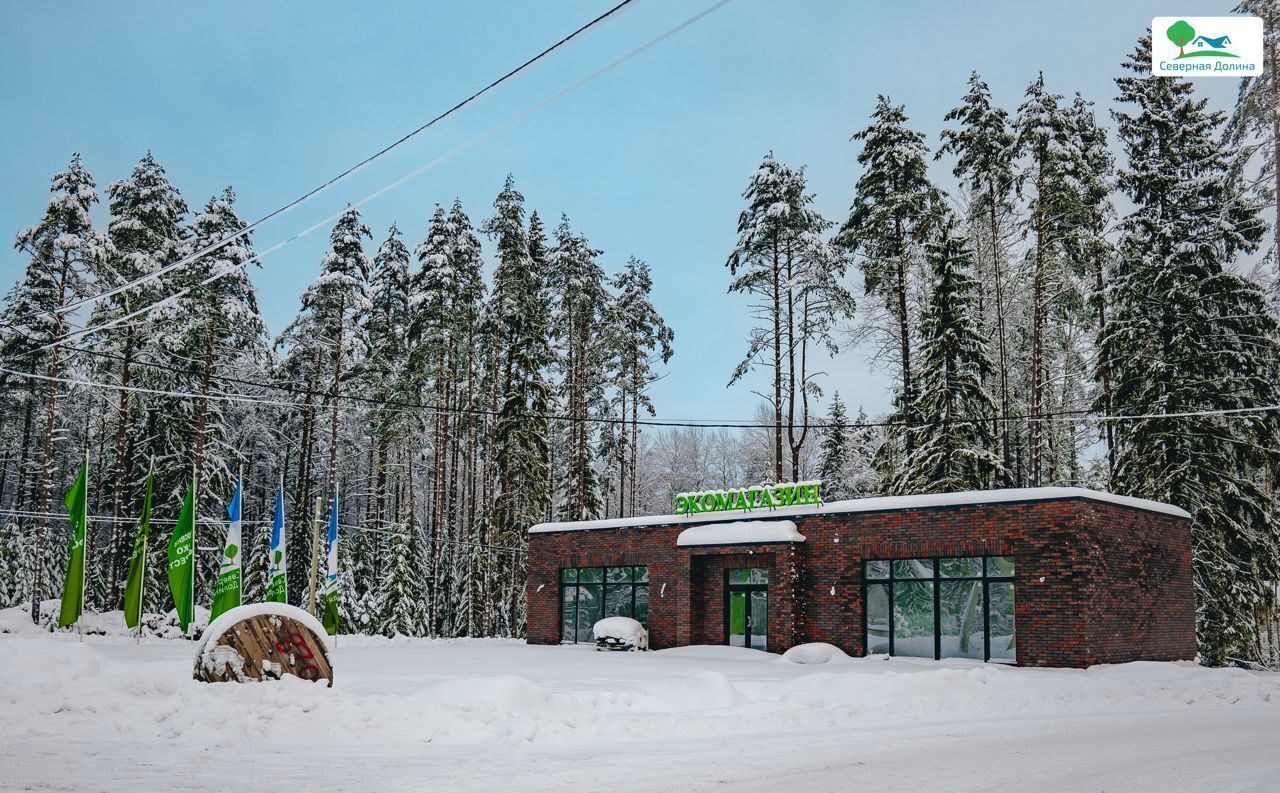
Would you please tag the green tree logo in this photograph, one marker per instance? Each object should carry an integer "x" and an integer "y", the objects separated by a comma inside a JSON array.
[
  {"x": 1181, "y": 34},
  {"x": 231, "y": 552},
  {"x": 279, "y": 555}
]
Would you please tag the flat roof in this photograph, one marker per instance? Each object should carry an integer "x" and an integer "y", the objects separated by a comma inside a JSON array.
[{"x": 878, "y": 504}]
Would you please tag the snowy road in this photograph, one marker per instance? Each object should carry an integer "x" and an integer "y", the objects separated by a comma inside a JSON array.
[{"x": 486, "y": 715}]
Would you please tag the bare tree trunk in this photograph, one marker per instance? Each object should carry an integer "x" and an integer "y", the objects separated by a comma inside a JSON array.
[
  {"x": 338, "y": 337},
  {"x": 1035, "y": 429},
  {"x": 20, "y": 492},
  {"x": 1104, "y": 372},
  {"x": 791, "y": 369},
  {"x": 904, "y": 350},
  {"x": 777, "y": 363},
  {"x": 54, "y": 371},
  {"x": 124, "y": 412},
  {"x": 206, "y": 371},
  {"x": 1000, "y": 330}
]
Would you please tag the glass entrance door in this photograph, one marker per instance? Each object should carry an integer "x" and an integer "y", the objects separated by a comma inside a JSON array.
[{"x": 747, "y": 608}]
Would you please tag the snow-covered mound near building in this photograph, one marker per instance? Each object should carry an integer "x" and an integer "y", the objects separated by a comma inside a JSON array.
[
  {"x": 814, "y": 653},
  {"x": 623, "y": 631}
]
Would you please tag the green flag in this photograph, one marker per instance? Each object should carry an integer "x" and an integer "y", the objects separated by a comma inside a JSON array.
[
  {"x": 226, "y": 593},
  {"x": 77, "y": 502},
  {"x": 276, "y": 585},
  {"x": 135, "y": 585},
  {"x": 330, "y": 591},
  {"x": 182, "y": 563}
]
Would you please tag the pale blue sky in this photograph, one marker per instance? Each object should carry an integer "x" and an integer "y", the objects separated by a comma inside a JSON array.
[{"x": 649, "y": 160}]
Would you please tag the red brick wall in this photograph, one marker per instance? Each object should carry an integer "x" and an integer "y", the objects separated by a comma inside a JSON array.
[{"x": 1094, "y": 582}]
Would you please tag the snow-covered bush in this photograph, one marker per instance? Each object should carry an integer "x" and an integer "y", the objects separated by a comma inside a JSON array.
[
  {"x": 620, "y": 633},
  {"x": 814, "y": 653}
]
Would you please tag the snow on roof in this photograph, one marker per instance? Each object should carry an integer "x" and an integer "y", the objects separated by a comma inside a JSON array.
[
  {"x": 879, "y": 504},
  {"x": 739, "y": 532}
]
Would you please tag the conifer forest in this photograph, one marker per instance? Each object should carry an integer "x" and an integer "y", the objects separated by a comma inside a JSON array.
[{"x": 1060, "y": 296}]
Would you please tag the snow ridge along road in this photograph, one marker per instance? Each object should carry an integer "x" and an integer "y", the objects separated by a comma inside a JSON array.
[{"x": 494, "y": 715}]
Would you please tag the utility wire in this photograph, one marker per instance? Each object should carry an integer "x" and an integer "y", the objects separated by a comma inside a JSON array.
[
  {"x": 660, "y": 423},
  {"x": 403, "y": 179},
  {"x": 315, "y": 191},
  {"x": 23, "y": 513}
]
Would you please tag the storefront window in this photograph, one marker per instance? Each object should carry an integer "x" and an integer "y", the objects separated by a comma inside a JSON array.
[
  {"x": 961, "y": 607},
  {"x": 589, "y": 594},
  {"x": 878, "y": 617}
]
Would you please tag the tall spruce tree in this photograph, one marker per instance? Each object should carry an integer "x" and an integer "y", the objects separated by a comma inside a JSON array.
[
  {"x": 519, "y": 311},
  {"x": 1187, "y": 337},
  {"x": 894, "y": 205},
  {"x": 147, "y": 233},
  {"x": 984, "y": 145},
  {"x": 955, "y": 447},
  {"x": 833, "y": 466},
  {"x": 579, "y": 297},
  {"x": 66, "y": 251},
  {"x": 1045, "y": 141},
  {"x": 1257, "y": 119}
]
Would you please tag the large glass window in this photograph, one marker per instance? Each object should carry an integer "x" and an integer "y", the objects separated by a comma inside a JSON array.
[
  {"x": 959, "y": 607},
  {"x": 589, "y": 594}
]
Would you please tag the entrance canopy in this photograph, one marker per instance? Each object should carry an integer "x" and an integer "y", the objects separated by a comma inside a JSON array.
[{"x": 740, "y": 533}]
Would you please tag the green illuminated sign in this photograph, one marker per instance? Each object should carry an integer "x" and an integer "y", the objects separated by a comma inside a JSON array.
[{"x": 794, "y": 494}]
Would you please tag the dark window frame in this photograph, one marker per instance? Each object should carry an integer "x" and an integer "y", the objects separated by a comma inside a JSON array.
[
  {"x": 937, "y": 579},
  {"x": 604, "y": 584},
  {"x": 746, "y": 589}
]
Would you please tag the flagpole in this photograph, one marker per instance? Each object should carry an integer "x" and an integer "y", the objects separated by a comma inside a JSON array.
[
  {"x": 191, "y": 593},
  {"x": 240, "y": 554},
  {"x": 84, "y": 548},
  {"x": 271, "y": 547},
  {"x": 142, "y": 584},
  {"x": 315, "y": 557}
]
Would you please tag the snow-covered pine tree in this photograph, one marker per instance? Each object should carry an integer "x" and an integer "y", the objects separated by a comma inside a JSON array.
[
  {"x": 384, "y": 331},
  {"x": 955, "y": 447},
  {"x": 318, "y": 346},
  {"x": 833, "y": 465},
  {"x": 146, "y": 233},
  {"x": 1045, "y": 140},
  {"x": 1081, "y": 304},
  {"x": 519, "y": 309},
  {"x": 893, "y": 210},
  {"x": 1257, "y": 118},
  {"x": 756, "y": 265},
  {"x": 339, "y": 292},
  {"x": 783, "y": 261},
  {"x": 65, "y": 252},
  {"x": 257, "y": 542},
  {"x": 579, "y": 296},
  {"x": 639, "y": 337},
  {"x": 15, "y": 566},
  {"x": 399, "y": 610},
  {"x": 864, "y": 440},
  {"x": 984, "y": 145},
  {"x": 215, "y": 330},
  {"x": 1186, "y": 337},
  {"x": 358, "y": 591}
]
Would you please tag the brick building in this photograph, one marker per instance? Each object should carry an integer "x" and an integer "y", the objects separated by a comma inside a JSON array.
[{"x": 1037, "y": 576}]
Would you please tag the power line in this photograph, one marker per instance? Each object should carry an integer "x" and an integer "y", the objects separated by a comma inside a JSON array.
[
  {"x": 392, "y": 185},
  {"x": 349, "y": 527},
  {"x": 315, "y": 191},
  {"x": 406, "y": 407}
]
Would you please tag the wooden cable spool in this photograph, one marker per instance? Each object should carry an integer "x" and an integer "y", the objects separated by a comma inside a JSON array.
[{"x": 264, "y": 645}]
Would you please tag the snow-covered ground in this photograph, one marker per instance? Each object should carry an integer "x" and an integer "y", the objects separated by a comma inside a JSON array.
[{"x": 108, "y": 715}]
